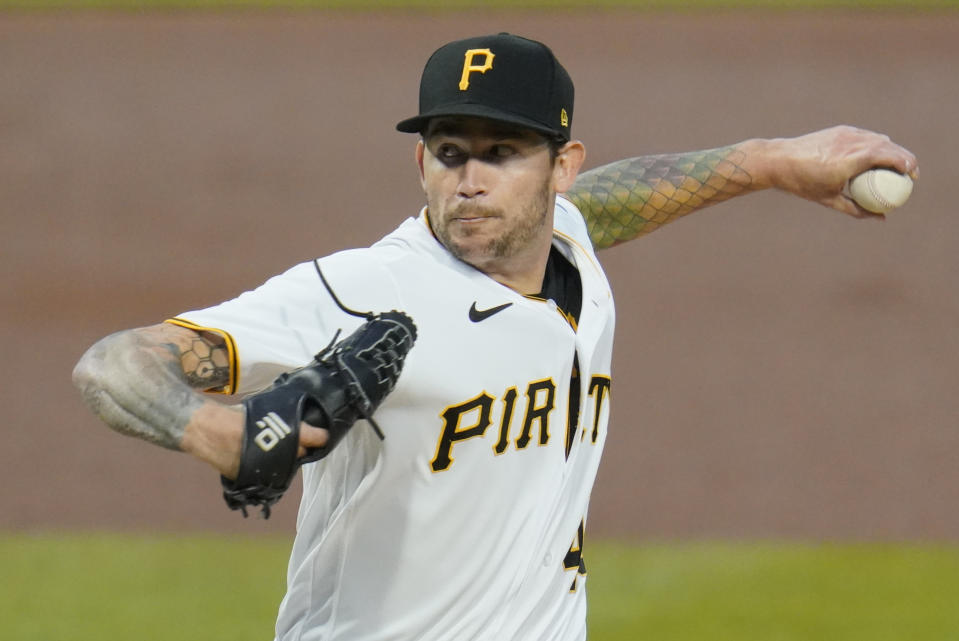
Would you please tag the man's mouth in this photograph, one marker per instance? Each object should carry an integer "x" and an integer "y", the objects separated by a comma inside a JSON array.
[{"x": 474, "y": 215}]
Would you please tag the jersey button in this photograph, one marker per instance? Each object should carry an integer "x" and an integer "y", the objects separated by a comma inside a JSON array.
[{"x": 548, "y": 560}]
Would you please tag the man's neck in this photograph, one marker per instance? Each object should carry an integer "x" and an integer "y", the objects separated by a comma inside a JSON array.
[{"x": 523, "y": 274}]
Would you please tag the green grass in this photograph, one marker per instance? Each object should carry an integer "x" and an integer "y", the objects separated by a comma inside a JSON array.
[
  {"x": 110, "y": 587},
  {"x": 106, "y": 587},
  {"x": 911, "y": 5},
  {"x": 774, "y": 592}
]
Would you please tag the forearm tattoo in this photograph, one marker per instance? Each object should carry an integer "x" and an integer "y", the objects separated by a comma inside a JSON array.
[
  {"x": 142, "y": 384},
  {"x": 632, "y": 197}
]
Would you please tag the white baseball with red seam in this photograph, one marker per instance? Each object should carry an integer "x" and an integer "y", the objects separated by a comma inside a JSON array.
[{"x": 880, "y": 190}]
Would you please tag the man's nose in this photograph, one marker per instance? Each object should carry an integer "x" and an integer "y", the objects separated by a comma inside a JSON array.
[{"x": 473, "y": 179}]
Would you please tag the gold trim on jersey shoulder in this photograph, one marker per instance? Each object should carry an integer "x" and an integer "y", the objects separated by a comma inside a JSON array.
[
  {"x": 572, "y": 241},
  {"x": 232, "y": 353}
]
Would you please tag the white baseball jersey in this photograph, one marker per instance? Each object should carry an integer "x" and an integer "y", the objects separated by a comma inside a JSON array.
[{"x": 466, "y": 522}]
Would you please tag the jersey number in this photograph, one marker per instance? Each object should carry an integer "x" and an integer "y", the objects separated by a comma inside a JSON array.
[{"x": 574, "y": 558}]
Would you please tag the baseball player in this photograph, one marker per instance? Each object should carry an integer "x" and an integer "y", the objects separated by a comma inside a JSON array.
[{"x": 475, "y": 339}]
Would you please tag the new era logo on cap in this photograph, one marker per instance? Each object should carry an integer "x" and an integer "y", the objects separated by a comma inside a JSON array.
[{"x": 501, "y": 77}]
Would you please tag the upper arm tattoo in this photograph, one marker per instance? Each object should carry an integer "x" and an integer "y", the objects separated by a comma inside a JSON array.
[
  {"x": 632, "y": 197},
  {"x": 204, "y": 359}
]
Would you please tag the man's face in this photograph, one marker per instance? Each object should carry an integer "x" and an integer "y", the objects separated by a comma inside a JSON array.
[{"x": 489, "y": 191}]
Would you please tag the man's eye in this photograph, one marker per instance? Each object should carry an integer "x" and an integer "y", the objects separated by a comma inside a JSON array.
[
  {"x": 501, "y": 151},
  {"x": 449, "y": 153}
]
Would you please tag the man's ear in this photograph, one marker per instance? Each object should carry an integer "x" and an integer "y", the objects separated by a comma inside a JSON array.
[
  {"x": 420, "y": 150},
  {"x": 569, "y": 159}
]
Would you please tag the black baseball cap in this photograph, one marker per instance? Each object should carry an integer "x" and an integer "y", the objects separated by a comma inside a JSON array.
[{"x": 501, "y": 77}]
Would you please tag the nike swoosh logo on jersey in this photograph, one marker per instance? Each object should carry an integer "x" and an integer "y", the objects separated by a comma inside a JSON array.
[{"x": 477, "y": 315}]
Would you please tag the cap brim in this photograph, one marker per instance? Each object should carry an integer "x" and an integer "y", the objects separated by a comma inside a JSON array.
[{"x": 418, "y": 124}]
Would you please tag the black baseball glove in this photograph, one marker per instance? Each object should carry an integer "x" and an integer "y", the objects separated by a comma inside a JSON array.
[{"x": 346, "y": 381}]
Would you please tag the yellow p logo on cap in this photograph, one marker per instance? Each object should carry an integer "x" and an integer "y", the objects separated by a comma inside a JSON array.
[{"x": 469, "y": 67}]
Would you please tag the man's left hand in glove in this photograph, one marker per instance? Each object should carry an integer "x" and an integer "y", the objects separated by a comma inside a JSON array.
[{"x": 343, "y": 383}]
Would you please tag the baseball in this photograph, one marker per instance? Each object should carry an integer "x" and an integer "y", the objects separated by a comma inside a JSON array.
[{"x": 880, "y": 190}]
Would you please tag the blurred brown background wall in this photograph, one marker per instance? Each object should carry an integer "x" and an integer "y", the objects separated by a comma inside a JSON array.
[{"x": 782, "y": 371}]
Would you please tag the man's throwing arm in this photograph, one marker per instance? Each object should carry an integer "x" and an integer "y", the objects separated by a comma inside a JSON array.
[{"x": 632, "y": 197}]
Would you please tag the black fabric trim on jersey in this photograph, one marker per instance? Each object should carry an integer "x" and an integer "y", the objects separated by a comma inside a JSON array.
[
  {"x": 562, "y": 283},
  {"x": 352, "y": 312},
  {"x": 572, "y": 408}
]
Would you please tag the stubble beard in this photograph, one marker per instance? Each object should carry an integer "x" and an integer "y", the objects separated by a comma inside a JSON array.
[{"x": 524, "y": 229}]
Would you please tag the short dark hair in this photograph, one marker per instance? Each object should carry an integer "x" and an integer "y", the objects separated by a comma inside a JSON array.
[{"x": 555, "y": 144}]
